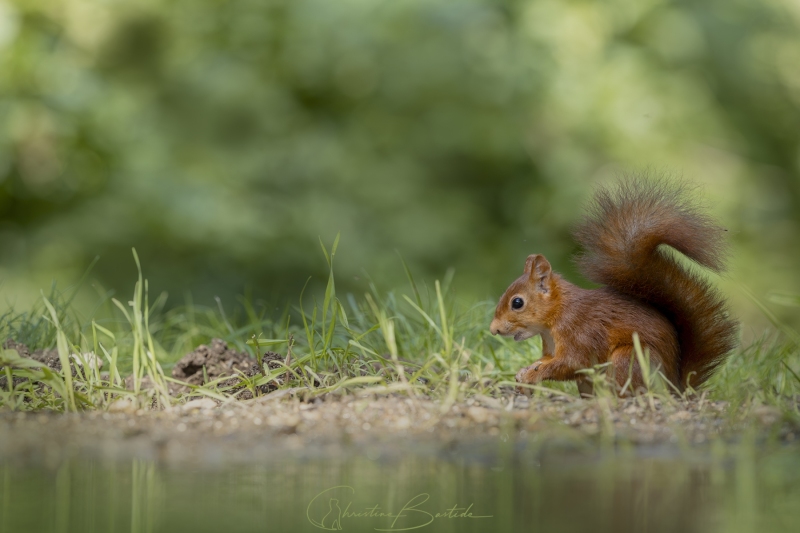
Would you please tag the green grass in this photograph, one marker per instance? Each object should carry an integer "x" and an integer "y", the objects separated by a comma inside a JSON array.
[{"x": 421, "y": 341}]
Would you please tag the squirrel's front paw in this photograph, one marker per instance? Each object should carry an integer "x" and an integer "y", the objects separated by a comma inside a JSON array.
[
  {"x": 528, "y": 375},
  {"x": 522, "y": 375}
]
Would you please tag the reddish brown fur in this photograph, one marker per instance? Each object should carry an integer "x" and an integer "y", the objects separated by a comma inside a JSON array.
[{"x": 680, "y": 319}]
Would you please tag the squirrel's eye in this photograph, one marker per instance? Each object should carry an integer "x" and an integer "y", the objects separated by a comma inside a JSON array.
[{"x": 517, "y": 303}]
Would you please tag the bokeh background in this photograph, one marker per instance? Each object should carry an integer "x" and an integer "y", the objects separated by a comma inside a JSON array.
[{"x": 224, "y": 139}]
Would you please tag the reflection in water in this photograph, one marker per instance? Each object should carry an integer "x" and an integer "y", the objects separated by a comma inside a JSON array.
[{"x": 726, "y": 491}]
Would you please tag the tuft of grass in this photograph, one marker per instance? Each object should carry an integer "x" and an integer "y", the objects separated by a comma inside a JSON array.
[{"x": 425, "y": 342}]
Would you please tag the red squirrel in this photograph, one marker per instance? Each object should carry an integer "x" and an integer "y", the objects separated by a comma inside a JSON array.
[{"x": 681, "y": 320}]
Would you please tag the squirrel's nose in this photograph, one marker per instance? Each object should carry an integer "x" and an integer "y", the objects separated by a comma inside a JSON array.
[{"x": 494, "y": 328}]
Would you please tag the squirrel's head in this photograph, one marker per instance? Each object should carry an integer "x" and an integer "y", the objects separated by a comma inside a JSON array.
[{"x": 527, "y": 304}]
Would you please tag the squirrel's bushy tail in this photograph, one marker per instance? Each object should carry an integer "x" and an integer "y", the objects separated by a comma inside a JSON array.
[{"x": 621, "y": 235}]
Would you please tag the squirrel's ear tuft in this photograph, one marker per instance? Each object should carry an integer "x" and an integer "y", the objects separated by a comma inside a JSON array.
[{"x": 539, "y": 270}]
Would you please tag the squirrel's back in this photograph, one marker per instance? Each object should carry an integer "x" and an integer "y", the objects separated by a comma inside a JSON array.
[{"x": 621, "y": 237}]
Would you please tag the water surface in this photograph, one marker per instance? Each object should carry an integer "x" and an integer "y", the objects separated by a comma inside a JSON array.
[{"x": 732, "y": 490}]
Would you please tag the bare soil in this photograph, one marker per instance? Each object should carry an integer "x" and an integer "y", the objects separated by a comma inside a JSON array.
[
  {"x": 48, "y": 357},
  {"x": 270, "y": 427},
  {"x": 209, "y": 363}
]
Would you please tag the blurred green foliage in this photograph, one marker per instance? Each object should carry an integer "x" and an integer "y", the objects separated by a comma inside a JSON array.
[{"x": 222, "y": 139}]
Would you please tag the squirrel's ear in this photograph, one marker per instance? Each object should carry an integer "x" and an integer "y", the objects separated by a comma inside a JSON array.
[
  {"x": 539, "y": 270},
  {"x": 529, "y": 263}
]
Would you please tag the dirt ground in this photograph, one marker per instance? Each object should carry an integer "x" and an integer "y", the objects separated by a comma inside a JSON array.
[
  {"x": 256, "y": 430},
  {"x": 48, "y": 357},
  {"x": 219, "y": 361},
  {"x": 205, "y": 364},
  {"x": 287, "y": 421}
]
